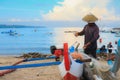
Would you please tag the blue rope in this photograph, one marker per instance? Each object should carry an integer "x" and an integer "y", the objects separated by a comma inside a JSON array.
[
  {"x": 29, "y": 65},
  {"x": 34, "y": 59}
]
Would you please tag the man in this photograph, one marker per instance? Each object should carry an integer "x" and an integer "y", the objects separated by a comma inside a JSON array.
[
  {"x": 91, "y": 32},
  {"x": 109, "y": 46}
]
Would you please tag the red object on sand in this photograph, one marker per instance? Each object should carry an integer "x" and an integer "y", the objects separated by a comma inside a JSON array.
[
  {"x": 2, "y": 73},
  {"x": 6, "y": 72},
  {"x": 58, "y": 52},
  {"x": 69, "y": 76},
  {"x": 66, "y": 57}
]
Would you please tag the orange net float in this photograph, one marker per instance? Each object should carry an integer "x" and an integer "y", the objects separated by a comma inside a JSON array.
[{"x": 76, "y": 55}]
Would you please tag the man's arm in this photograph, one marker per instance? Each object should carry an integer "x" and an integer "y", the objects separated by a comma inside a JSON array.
[{"x": 80, "y": 33}]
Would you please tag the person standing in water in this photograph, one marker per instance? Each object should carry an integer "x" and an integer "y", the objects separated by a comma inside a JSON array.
[{"x": 91, "y": 32}]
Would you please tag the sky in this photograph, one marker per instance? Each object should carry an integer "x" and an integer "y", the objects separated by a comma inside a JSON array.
[{"x": 59, "y": 12}]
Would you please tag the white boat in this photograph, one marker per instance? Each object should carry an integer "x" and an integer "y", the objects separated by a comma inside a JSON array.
[
  {"x": 69, "y": 69},
  {"x": 115, "y": 30},
  {"x": 75, "y": 71},
  {"x": 117, "y": 34}
]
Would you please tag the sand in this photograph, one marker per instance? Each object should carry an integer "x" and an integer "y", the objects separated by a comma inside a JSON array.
[{"x": 38, "y": 73}]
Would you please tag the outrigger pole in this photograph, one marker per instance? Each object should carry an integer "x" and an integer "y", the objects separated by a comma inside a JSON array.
[
  {"x": 34, "y": 59},
  {"x": 24, "y": 60},
  {"x": 30, "y": 65}
]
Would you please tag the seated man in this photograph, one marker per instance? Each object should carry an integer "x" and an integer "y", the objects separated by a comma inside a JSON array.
[{"x": 103, "y": 51}]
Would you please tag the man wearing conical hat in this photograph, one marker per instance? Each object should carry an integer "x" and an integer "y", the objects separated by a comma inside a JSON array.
[{"x": 91, "y": 32}]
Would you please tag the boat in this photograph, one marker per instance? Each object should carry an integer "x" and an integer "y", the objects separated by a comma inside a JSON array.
[
  {"x": 115, "y": 30},
  {"x": 7, "y": 32},
  {"x": 13, "y": 34},
  {"x": 117, "y": 34}
]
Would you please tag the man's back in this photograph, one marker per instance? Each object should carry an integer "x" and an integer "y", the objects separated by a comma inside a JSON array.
[{"x": 91, "y": 32}]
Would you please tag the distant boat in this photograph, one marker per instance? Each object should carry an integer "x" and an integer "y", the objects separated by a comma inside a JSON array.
[
  {"x": 115, "y": 30},
  {"x": 4, "y": 32},
  {"x": 70, "y": 31},
  {"x": 7, "y": 32},
  {"x": 117, "y": 35},
  {"x": 13, "y": 33},
  {"x": 104, "y": 31}
]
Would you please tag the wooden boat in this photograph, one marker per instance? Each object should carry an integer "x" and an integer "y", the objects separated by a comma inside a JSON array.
[{"x": 69, "y": 69}]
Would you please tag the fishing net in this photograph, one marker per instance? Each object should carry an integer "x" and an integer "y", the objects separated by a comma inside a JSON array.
[
  {"x": 101, "y": 69},
  {"x": 104, "y": 72}
]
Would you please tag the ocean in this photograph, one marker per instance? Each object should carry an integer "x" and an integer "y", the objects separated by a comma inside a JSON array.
[{"x": 40, "y": 39}]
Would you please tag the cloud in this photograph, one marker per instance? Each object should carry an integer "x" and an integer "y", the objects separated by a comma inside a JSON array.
[{"x": 71, "y": 10}]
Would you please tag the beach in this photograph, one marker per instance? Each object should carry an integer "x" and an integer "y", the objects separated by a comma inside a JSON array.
[
  {"x": 47, "y": 29},
  {"x": 37, "y": 73}
]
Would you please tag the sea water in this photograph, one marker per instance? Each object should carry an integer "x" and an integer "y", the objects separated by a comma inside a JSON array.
[{"x": 40, "y": 39}]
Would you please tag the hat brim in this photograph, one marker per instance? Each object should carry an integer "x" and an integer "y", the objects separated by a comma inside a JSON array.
[{"x": 90, "y": 18}]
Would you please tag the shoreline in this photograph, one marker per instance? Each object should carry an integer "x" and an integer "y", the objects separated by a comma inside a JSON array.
[{"x": 10, "y": 55}]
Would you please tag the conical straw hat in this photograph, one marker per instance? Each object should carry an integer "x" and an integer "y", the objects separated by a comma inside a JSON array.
[{"x": 90, "y": 18}]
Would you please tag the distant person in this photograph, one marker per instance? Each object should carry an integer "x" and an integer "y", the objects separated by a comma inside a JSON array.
[
  {"x": 109, "y": 46},
  {"x": 91, "y": 32},
  {"x": 103, "y": 50}
]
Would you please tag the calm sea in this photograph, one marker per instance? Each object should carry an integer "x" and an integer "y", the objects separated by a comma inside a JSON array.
[{"x": 40, "y": 39}]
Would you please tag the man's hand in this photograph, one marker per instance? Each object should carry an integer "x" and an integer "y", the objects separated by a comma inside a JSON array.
[
  {"x": 86, "y": 45},
  {"x": 77, "y": 34}
]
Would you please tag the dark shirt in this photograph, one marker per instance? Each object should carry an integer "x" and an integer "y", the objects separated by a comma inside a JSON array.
[
  {"x": 91, "y": 32},
  {"x": 103, "y": 49},
  {"x": 109, "y": 46}
]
